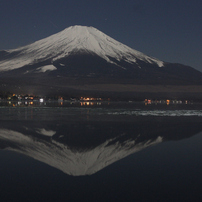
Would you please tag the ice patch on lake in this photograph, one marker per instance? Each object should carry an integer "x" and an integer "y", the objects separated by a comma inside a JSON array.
[{"x": 158, "y": 113}]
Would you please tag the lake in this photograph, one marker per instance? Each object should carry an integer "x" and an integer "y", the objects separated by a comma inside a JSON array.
[{"x": 100, "y": 151}]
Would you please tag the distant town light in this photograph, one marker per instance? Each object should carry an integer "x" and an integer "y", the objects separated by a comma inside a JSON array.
[{"x": 41, "y": 100}]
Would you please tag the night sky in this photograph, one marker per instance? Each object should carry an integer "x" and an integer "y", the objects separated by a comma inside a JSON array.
[{"x": 169, "y": 30}]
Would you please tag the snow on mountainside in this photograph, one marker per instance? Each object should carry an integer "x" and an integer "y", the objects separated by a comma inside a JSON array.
[{"x": 71, "y": 40}]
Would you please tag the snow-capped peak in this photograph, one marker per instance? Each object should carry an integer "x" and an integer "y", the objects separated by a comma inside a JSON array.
[{"x": 72, "y": 39}]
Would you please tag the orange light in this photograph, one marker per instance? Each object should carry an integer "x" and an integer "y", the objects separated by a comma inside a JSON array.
[{"x": 149, "y": 101}]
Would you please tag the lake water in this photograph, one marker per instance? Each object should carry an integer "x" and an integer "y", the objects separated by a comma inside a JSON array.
[{"x": 100, "y": 152}]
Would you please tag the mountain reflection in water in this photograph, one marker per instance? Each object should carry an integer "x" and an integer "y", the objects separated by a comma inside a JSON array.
[{"x": 85, "y": 147}]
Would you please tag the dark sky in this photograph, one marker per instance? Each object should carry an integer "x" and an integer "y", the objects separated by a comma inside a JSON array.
[{"x": 169, "y": 30}]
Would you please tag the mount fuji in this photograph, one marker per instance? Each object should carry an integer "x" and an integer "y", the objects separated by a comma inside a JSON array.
[
  {"x": 81, "y": 55},
  {"x": 71, "y": 41}
]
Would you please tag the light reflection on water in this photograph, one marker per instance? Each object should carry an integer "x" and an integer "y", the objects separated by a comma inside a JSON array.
[{"x": 122, "y": 152}]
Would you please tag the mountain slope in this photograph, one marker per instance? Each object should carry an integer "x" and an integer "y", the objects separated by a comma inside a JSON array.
[
  {"x": 81, "y": 55},
  {"x": 72, "y": 40}
]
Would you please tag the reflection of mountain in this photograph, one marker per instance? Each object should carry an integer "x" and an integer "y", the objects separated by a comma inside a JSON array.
[{"x": 85, "y": 148}]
